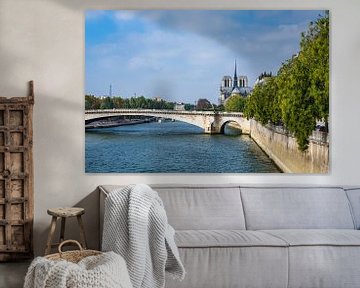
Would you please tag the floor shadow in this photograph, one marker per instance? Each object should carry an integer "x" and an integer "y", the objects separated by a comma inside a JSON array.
[{"x": 12, "y": 275}]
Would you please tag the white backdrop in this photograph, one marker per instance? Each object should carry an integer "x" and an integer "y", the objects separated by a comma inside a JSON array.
[{"x": 43, "y": 40}]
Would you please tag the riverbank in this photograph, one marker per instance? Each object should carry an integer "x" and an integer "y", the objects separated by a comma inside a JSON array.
[{"x": 282, "y": 148}]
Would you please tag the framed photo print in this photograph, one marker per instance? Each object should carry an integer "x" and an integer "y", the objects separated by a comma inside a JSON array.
[{"x": 197, "y": 91}]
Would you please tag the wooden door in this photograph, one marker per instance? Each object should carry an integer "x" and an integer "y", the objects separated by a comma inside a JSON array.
[{"x": 16, "y": 177}]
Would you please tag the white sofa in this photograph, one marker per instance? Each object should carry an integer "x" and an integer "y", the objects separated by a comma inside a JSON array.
[{"x": 256, "y": 236}]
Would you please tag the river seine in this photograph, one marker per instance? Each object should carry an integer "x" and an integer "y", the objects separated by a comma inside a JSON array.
[{"x": 174, "y": 147}]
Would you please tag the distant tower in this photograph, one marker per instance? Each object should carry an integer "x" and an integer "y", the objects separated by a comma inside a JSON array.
[
  {"x": 235, "y": 89},
  {"x": 235, "y": 80},
  {"x": 243, "y": 82},
  {"x": 110, "y": 91},
  {"x": 225, "y": 88}
]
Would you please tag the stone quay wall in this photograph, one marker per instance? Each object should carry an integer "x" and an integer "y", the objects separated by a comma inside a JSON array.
[{"x": 282, "y": 148}]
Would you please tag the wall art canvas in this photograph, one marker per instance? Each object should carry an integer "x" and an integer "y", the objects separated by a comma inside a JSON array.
[{"x": 198, "y": 91}]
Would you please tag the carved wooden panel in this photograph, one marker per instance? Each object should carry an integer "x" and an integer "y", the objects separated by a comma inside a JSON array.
[{"x": 16, "y": 177}]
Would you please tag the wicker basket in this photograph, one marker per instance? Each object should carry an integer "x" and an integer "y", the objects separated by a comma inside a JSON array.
[{"x": 72, "y": 256}]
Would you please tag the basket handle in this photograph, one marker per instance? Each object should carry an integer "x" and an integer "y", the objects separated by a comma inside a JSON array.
[{"x": 69, "y": 241}]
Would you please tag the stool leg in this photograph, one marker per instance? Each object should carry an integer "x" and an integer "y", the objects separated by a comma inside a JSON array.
[
  {"x": 62, "y": 231},
  {"x": 82, "y": 232},
  {"x": 51, "y": 235}
]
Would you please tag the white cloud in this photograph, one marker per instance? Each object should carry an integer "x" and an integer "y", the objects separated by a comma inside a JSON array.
[
  {"x": 164, "y": 60},
  {"x": 282, "y": 33},
  {"x": 125, "y": 15}
]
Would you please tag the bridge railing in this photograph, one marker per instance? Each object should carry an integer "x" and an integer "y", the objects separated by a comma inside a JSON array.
[
  {"x": 156, "y": 111},
  {"x": 320, "y": 136}
]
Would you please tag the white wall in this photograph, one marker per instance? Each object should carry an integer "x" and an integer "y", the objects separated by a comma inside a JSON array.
[{"x": 43, "y": 40}]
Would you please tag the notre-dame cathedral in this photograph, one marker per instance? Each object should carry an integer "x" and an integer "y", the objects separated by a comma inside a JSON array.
[{"x": 238, "y": 85}]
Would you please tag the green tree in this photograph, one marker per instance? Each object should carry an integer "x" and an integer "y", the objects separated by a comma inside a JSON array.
[
  {"x": 92, "y": 102},
  {"x": 107, "y": 103},
  {"x": 263, "y": 103},
  {"x": 219, "y": 108},
  {"x": 315, "y": 55},
  {"x": 299, "y": 95},
  {"x": 118, "y": 102},
  {"x": 304, "y": 83},
  {"x": 235, "y": 103},
  {"x": 189, "y": 107}
]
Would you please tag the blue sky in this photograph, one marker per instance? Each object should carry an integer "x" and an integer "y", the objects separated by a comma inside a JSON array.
[{"x": 182, "y": 55}]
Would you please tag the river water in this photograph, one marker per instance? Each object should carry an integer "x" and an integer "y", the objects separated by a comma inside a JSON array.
[{"x": 174, "y": 147}]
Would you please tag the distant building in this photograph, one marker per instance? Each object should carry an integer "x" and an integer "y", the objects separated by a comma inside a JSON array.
[
  {"x": 179, "y": 107},
  {"x": 157, "y": 98},
  {"x": 262, "y": 78},
  {"x": 233, "y": 86}
]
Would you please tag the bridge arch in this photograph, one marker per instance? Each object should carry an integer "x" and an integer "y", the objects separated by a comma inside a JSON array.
[{"x": 225, "y": 123}]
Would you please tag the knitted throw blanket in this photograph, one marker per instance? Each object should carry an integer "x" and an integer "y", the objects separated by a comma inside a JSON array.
[
  {"x": 136, "y": 227},
  {"x": 102, "y": 271}
]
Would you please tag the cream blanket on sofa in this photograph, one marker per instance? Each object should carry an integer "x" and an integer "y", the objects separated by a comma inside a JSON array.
[{"x": 135, "y": 226}]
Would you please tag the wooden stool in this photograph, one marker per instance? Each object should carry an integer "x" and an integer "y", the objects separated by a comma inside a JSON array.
[{"x": 64, "y": 213}]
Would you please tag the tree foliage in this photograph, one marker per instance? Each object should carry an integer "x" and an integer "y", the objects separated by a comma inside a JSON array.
[
  {"x": 189, "y": 107},
  {"x": 299, "y": 95},
  {"x": 93, "y": 102},
  {"x": 235, "y": 103},
  {"x": 107, "y": 103},
  {"x": 263, "y": 102}
]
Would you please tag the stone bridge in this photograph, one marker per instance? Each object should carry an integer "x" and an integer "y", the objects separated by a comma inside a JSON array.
[{"x": 211, "y": 122}]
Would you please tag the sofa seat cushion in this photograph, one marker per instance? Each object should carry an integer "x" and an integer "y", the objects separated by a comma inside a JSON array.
[
  {"x": 322, "y": 258},
  {"x": 235, "y": 267},
  {"x": 225, "y": 238},
  {"x": 317, "y": 237}
]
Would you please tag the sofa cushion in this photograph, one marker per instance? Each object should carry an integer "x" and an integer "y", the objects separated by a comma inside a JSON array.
[
  {"x": 316, "y": 237},
  {"x": 322, "y": 258},
  {"x": 226, "y": 238},
  {"x": 199, "y": 207},
  {"x": 191, "y": 208},
  {"x": 220, "y": 267},
  {"x": 296, "y": 208},
  {"x": 324, "y": 266}
]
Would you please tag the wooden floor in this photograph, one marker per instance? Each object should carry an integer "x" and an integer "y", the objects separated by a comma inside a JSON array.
[{"x": 12, "y": 274}]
